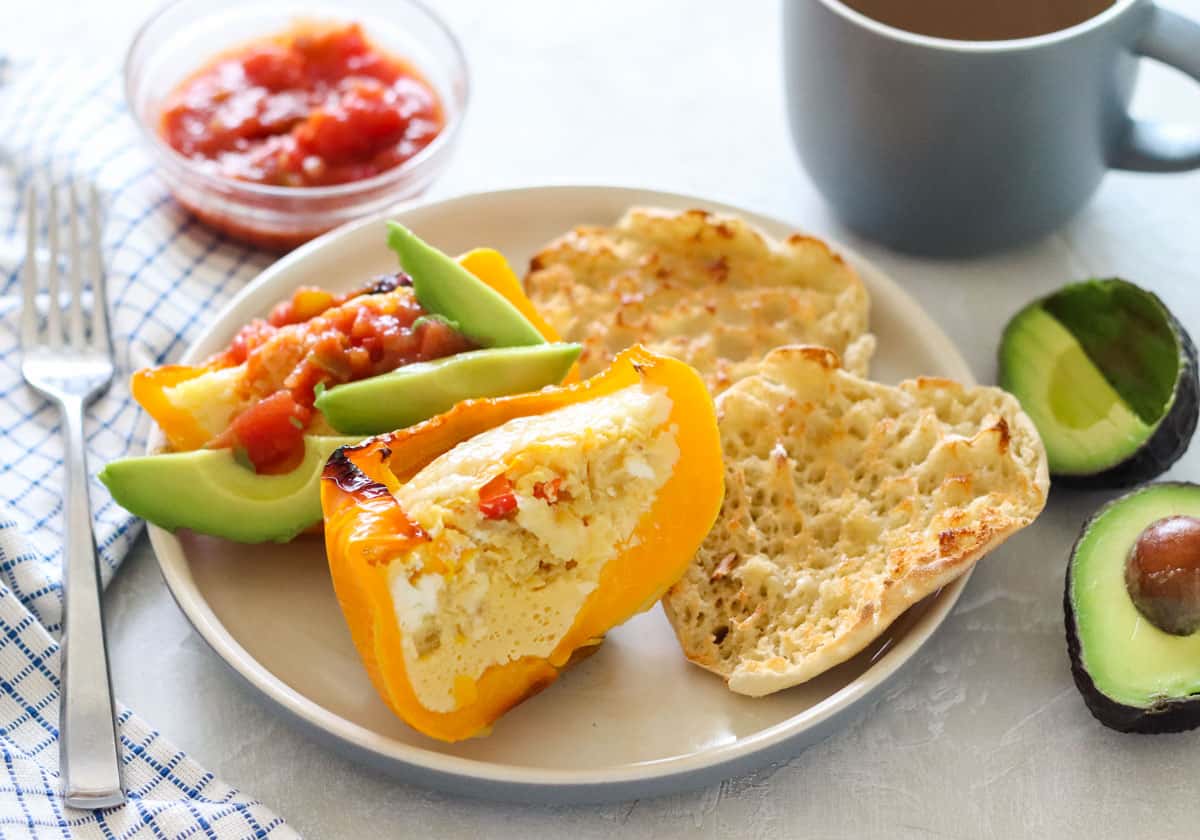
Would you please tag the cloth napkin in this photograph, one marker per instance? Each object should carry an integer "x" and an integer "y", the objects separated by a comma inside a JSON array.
[{"x": 64, "y": 120}]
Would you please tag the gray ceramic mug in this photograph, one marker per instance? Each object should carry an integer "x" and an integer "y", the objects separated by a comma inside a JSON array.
[{"x": 958, "y": 147}]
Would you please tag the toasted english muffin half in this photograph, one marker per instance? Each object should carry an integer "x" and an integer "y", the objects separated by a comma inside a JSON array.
[
  {"x": 846, "y": 502},
  {"x": 709, "y": 289}
]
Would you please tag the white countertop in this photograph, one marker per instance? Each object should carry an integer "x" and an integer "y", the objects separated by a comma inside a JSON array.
[{"x": 984, "y": 735}]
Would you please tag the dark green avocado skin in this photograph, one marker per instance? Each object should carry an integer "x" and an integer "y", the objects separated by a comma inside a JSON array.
[
  {"x": 1168, "y": 715},
  {"x": 1169, "y": 440}
]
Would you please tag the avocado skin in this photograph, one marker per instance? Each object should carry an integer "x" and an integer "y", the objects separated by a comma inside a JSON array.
[
  {"x": 1170, "y": 438},
  {"x": 1165, "y": 716}
]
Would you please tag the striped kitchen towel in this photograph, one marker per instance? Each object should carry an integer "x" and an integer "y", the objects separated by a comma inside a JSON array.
[{"x": 62, "y": 121}]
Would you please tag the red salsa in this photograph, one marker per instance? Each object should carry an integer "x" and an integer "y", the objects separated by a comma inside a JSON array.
[
  {"x": 319, "y": 340},
  {"x": 307, "y": 108}
]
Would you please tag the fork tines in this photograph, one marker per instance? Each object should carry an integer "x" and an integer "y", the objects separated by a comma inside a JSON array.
[{"x": 75, "y": 257}]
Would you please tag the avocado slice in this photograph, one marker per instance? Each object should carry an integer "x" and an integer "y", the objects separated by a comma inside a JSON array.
[
  {"x": 445, "y": 288},
  {"x": 1134, "y": 676},
  {"x": 1109, "y": 377},
  {"x": 210, "y": 492},
  {"x": 418, "y": 391}
]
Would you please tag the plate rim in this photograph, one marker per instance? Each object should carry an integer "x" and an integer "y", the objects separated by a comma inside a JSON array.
[{"x": 465, "y": 775}]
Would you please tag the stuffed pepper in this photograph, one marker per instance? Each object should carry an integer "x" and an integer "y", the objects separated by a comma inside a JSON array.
[
  {"x": 249, "y": 428},
  {"x": 475, "y": 553}
]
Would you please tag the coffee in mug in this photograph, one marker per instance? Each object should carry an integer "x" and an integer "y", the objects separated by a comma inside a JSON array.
[{"x": 980, "y": 20}]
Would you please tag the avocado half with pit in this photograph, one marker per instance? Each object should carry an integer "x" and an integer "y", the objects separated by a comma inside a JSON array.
[
  {"x": 1108, "y": 376},
  {"x": 1132, "y": 606}
]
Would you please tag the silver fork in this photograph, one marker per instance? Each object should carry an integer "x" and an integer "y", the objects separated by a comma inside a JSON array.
[{"x": 72, "y": 368}]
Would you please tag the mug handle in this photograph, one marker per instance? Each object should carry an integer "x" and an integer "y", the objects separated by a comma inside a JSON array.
[{"x": 1151, "y": 146}]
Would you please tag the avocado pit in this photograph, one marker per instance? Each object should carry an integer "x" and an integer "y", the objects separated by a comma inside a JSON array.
[{"x": 1162, "y": 574}]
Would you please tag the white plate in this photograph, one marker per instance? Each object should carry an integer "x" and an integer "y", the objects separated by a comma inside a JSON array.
[{"x": 633, "y": 720}]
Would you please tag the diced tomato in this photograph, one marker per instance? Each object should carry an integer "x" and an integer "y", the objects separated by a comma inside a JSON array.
[
  {"x": 548, "y": 491},
  {"x": 360, "y": 362},
  {"x": 438, "y": 339},
  {"x": 330, "y": 54},
  {"x": 244, "y": 343},
  {"x": 496, "y": 498},
  {"x": 308, "y": 302},
  {"x": 273, "y": 67},
  {"x": 271, "y": 432},
  {"x": 328, "y": 353},
  {"x": 355, "y": 126}
]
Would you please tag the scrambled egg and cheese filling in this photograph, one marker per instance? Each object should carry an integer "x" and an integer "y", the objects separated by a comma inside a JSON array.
[
  {"x": 213, "y": 398},
  {"x": 581, "y": 478}
]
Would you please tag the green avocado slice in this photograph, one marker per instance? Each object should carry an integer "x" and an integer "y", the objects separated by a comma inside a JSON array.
[
  {"x": 209, "y": 492},
  {"x": 1133, "y": 676},
  {"x": 418, "y": 391},
  {"x": 445, "y": 288},
  {"x": 1109, "y": 378}
]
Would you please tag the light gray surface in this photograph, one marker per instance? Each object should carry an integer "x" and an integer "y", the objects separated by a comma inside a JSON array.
[{"x": 984, "y": 736}]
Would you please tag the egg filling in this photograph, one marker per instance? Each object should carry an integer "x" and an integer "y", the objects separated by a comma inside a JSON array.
[
  {"x": 213, "y": 398},
  {"x": 522, "y": 519}
]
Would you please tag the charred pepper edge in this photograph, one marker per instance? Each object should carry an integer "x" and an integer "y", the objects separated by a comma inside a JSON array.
[{"x": 344, "y": 473}]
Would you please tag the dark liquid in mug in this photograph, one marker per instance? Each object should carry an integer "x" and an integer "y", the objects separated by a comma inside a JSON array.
[{"x": 980, "y": 20}]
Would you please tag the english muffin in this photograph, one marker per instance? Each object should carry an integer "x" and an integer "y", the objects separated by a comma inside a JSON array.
[
  {"x": 708, "y": 289},
  {"x": 846, "y": 502}
]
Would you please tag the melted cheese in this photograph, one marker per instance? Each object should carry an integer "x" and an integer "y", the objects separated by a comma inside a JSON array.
[{"x": 514, "y": 586}]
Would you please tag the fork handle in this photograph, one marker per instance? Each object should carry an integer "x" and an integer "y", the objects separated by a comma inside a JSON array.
[{"x": 89, "y": 755}]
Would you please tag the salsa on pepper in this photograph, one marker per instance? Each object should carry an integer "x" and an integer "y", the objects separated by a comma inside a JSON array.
[
  {"x": 320, "y": 340},
  {"x": 307, "y": 108}
]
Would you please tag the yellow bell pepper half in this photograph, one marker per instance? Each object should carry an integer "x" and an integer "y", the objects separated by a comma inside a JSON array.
[{"x": 366, "y": 529}]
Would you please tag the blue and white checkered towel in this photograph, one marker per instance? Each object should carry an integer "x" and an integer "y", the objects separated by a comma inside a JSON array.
[{"x": 62, "y": 120}]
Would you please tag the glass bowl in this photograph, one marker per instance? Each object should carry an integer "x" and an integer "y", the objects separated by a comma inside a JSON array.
[{"x": 185, "y": 34}]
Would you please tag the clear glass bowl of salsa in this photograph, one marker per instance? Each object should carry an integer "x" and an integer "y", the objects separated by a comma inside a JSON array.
[{"x": 275, "y": 121}]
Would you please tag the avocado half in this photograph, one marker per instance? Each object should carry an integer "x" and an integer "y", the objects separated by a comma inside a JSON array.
[
  {"x": 1108, "y": 376},
  {"x": 1133, "y": 676}
]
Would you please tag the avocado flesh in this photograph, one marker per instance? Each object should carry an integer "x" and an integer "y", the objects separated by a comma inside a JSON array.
[
  {"x": 1082, "y": 419},
  {"x": 1127, "y": 331},
  {"x": 1134, "y": 676},
  {"x": 1109, "y": 378},
  {"x": 445, "y": 288},
  {"x": 419, "y": 391},
  {"x": 209, "y": 492}
]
